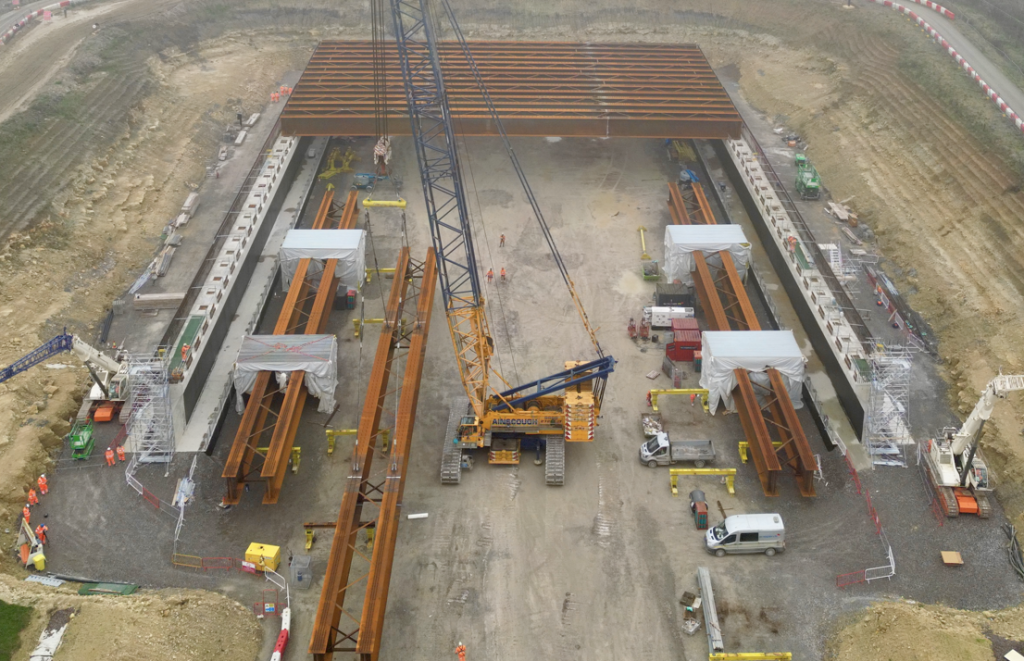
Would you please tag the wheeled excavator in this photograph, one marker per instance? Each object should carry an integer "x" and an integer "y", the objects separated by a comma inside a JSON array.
[
  {"x": 542, "y": 415},
  {"x": 957, "y": 470}
]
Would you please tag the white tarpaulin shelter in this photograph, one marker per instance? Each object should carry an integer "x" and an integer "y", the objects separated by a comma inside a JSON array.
[
  {"x": 681, "y": 241},
  {"x": 346, "y": 246},
  {"x": 316, "y": 355},
  {"x": 755, "y": 352}
]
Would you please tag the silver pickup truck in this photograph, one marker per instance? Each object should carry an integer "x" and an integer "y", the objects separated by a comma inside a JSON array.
[{"x": 660, "y": 451}]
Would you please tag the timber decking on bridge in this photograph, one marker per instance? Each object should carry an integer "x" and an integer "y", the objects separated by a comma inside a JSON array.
[
  {"x": 539, "y": 89},
  {"x": 727, "y": 307}
]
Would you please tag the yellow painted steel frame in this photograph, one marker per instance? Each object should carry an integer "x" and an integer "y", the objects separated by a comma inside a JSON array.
[
  {"x": 751, "y": 656},
  {"x": 333, "y": 434},
  {"x": 356, "y": 323},
  {"x": 370, "y": 272},
  {"x": 400, "y": 203},
  {"x": 729, "y": 473},
  {"x": 679, "y": 391},
  {"x": 745, "y": 446},
  {"x": 296, "y": 456},
  {"x": 473, "y": 348},
  {"x": 643, "y": 243}
]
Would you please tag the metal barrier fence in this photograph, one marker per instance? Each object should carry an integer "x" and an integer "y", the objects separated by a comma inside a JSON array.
[{"x": 871, "y": 573}]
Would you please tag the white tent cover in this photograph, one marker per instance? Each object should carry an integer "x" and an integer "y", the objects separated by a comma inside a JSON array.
[
  {"x": 346, "y": 246},
  {"x": 681, "y": 241},
  {"x": 316, "y": 355},
  {"x": 754, "y": 351}
]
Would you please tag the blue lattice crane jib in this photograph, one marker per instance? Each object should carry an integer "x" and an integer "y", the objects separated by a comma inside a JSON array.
[
  {"x": 52, "y": 347},
  {"x": 445, "y": 200}
]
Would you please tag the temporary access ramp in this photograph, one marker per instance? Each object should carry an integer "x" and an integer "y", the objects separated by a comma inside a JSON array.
[{"x": 726, "y": 306}]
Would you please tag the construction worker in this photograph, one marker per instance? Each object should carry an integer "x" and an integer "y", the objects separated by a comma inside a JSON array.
[
  {"x": 461, "y": 651},
  {"x": 41, "y": 531},
  {"x": 501, "y": 241},
  {"x": 693, "y": 398},
  {"x": 110, "y": 457},
  {"x": 490, "y": 276},
  {"x": 27, "y": 514},
  {"x": 32, "y": 498},
  {"x": 184, "y": 351},
  {"x": 650, "y": 401},
  {"x": 120, "y": 453},
  {"x": 503, "y": 274},
  {"x": 43, "y": 487}
]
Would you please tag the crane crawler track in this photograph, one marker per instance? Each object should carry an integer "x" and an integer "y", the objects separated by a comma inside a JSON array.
[
  {"x": 451, "y": 453},
  {"x": 554, "y": 461}
]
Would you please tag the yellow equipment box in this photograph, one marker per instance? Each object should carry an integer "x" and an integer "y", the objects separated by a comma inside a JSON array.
[{"x": 264, "y": 556}]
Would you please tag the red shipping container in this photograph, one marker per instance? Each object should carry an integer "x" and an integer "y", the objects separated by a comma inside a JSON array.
[
  {"x": 685, "y": 324},
  {"x": 683, "y": 345}
]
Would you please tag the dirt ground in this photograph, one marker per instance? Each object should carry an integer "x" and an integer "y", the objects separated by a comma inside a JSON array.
[
  {"x": 893, "y": 630},
  {"x": 163, "y": 624},
  {"x": 101, "y": 153}
]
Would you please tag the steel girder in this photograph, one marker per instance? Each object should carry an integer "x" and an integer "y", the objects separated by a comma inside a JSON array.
[
  {"x": 373, "y": 492},
  {"x": 371, "y": 624},
  {"x": 727, "y": 307},
  {"x": 267, "y": 405},
  {"x": 539, "y": 89}
]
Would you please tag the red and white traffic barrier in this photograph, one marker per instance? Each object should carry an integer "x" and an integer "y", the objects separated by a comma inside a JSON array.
[
  {"x": 282, "y": 638},
  {"x": 6, "y": 36},
  {"x": 933, "y": 5},
  {"x": 933, "y": 33}
]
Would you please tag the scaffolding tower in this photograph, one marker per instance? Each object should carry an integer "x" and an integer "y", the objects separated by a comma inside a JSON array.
[
  {"x": 150, "y": 430},
  {"x": 887, "y": 432}
]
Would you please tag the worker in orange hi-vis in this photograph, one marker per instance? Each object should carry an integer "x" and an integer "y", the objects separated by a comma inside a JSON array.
[
  {"x": 41, "y": 531},
  {"x": 43, "y": 487},
  {"x": 461, "y": 651},
  {"x": 184, "y": 351},
  {"x": 32, "y": 498},
  {"x": 490, "y": 276},
  {"x": 110, "y": 457},
  {"x": 27, "y": 514},
  {"x": 503, "y": 274},
  {"x": 501, "y": 241},
  {"x": 120, "y": 453}
]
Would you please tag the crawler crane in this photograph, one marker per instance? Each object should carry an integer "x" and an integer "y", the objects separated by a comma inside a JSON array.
[
  {"x": 543, "y": 414},
  {"x": 956, "y": 468}
]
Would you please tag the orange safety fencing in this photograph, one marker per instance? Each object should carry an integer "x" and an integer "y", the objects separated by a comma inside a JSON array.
[{"x": 862, "y": 576}]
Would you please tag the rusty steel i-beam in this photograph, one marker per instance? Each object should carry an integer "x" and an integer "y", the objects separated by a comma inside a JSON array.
[
  {"x": 727, "y": 307},
  {"x": 330, "y": 633},
  {"x": 539, "y": 89},
  {"x": 269, "y": 409}
]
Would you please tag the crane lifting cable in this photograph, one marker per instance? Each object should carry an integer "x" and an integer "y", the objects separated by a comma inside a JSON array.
[
  {"x": 382, "y": 148},
  {"x": 538, "y": 214}
]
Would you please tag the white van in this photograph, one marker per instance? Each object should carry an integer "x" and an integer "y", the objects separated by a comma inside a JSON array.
[{"x": 747, "y": 533}]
